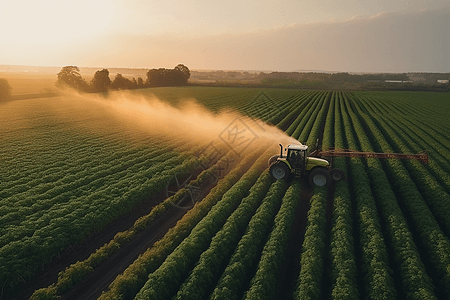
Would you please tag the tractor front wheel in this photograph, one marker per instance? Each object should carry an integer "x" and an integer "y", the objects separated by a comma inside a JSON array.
[
  {"x": 319, "y": 177},
  {"x": 279, "y": 170}
]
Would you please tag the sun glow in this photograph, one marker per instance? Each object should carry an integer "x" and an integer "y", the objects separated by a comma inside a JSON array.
[{"x": 30, "y": 24}]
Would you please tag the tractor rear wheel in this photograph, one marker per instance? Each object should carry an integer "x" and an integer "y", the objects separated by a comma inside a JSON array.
[
  {"x": 319, "y": 177},
  {"x": 279, "y": 170},
  {"x": 337, "y": 175}
]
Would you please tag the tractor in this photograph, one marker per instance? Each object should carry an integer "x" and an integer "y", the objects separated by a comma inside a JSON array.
[{"x": 298, "y": 163}]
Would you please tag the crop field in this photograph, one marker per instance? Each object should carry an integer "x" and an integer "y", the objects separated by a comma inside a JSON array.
[{"x": 165, "y": 193}]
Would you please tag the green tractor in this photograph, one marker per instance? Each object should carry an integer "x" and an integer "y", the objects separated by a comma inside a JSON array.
[{"x": 297, "y": 163}]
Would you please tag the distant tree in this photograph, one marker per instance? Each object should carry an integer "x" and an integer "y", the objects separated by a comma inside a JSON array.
[
  {"x": 185, "y": 71},
  {"x": 174, "y": 78},
  {"x": 168, "y": 77},
  {"x": 101, "y": 82},
  {"x": 69, "y": 76},
  {"x": 121, "y": 83},
  {"x": 140, "y": 82},
  {"x": 5, "y": 90},
  {"x": 155, "y": 77}
]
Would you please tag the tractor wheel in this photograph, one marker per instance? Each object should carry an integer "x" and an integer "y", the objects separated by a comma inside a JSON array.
[
  {"x": 279, "y": 170},
  {"x": 272, "y": 160},
  {"x": 319, "y": 177},
  {"x": 337, "y": 175}
]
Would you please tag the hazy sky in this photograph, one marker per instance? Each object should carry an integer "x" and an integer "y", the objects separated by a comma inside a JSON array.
[{"x": 346, "y": 35}]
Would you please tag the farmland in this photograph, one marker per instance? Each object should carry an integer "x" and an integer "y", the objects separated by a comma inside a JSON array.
[{"x": 73, "y": 170}]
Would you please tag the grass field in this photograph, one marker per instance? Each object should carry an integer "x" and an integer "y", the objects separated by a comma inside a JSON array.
[{"x": 72, "y": 165}]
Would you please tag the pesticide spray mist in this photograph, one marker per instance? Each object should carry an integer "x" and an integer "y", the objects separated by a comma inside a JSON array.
[{"x": 189, "y": 121}]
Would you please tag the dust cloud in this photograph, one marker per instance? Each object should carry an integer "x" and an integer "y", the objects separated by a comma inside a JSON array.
[{"x": 188, "y": 121}]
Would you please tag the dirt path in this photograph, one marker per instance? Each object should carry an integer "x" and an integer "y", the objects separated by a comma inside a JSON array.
[{"x": 106, "y": 272}]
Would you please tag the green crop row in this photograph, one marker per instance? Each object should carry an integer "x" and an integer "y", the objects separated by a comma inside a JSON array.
[
  {"x": 310, "y": 280},
  {"x": 343, "y": 273},
  {"x": 308, "y": 132},
  {"x": 419, "y": 135},
  {"x": 303, "y": 115},
  {"x": 414, "y": 281},
  {"x": 289, "y": 104},
  {"x": 433, "y": 192},
  {"x": 378, "y": 277},
  {"x": 424, "y": 110},
  {"x": 432, "y": 239},
  {"x": 263, "y": 284},
  {"x": 247, "y": 253},
  {"x": 284, "y": 105},
  {"x": 305, "y": 102},
  {"x": 212, "y": 261}
]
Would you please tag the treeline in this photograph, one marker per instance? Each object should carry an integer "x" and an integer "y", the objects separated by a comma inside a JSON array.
[
  {"x": 349, "y": 85},
  {"x": 436, "y": 82},
  {"x": 69, "y": 76},
  {"x": 387, "y": 81}
]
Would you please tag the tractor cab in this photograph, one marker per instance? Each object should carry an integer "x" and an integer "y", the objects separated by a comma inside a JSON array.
[{"x": 296, "y": 157}]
